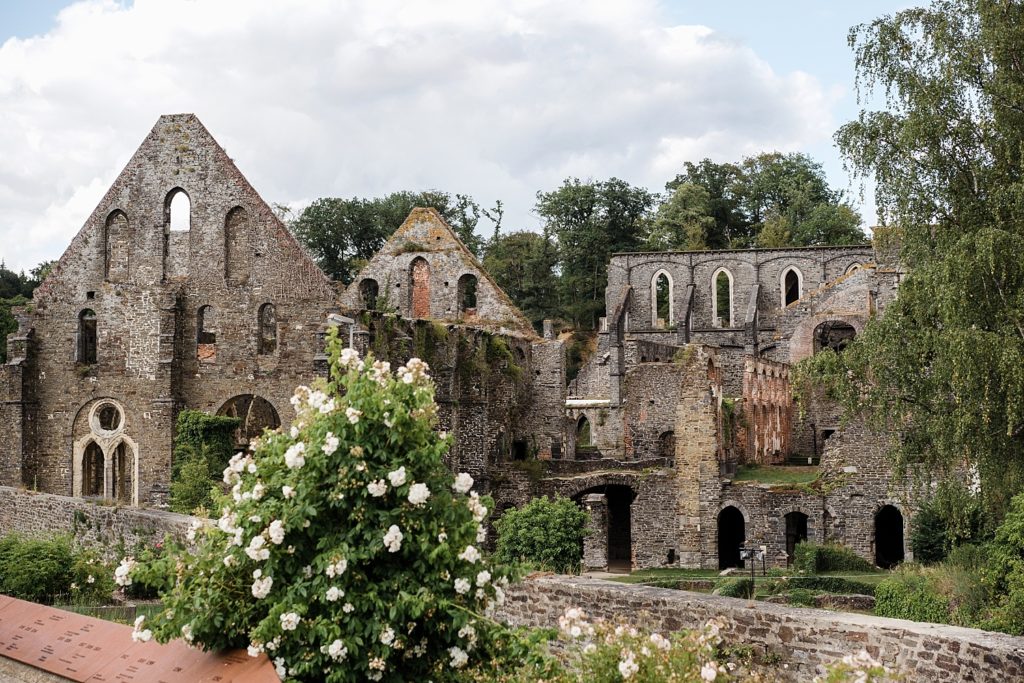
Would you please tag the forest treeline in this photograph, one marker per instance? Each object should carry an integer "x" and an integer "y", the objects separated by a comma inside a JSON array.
[{"x": 767, "y": 200}]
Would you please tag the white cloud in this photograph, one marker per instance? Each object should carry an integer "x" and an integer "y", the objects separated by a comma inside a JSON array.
[{"x": 494, "y": 98}]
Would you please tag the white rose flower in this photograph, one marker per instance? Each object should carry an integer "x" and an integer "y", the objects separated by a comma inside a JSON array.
[
  {"x": 397, "y": 477},
  {"x": 256, "y": 549},
  {"x": 461, "y": 586},
  {"x": 483, "y": 578},
  {"x": 337, "y": 651},
  {"x": 628, "y": 666},
  {"x": 352, "y": 414},
  {"x": 458, "y": 657},
  {"x": 276, "y": 532},
  {"x": 290, "y": 621},
  {"x": 287, "y": 492},
  {"x": 393, "y": 539},
  {"x": 331, "y": 443},
  {"x": 254, "y": 649},
  {"x": 347, "y": 608},
  {"x": 294, "y": 457},
  {"x": 261, "y": 587},
  {"x": 258, "y": 490},
  {"x": 470, "y": 554},
  {"x": 334, "y": 594},
  {"x": 123, "y": 573},
  {"x": 387, "y": 636},
  {"x": 709, "y": 672},
  {"x": 463, "y": 483},
  {"x": 377, "y": 488},
  {"x": 418, "y": 494}
]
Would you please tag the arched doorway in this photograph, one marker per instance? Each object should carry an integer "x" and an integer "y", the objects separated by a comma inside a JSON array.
[
  {"x": 584, "y": 439},
  {"x": 796, "y": 532},
  {"x": 121, "y": 471},
  {"x": 731, "y": 535},
  {"x": 888, "y": 537},
  {"x": 255, "y": 414},
  {"x": 834, "y": 334}
]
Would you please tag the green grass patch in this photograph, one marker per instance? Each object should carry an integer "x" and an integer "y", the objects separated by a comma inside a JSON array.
[{"x": 776, "y": 474}]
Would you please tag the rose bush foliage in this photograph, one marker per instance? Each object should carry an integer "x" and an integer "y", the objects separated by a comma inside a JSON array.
[{"x": 345, "y": 550}]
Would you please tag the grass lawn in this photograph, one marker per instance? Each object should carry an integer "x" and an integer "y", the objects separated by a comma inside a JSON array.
[{"x": 776, "y": 474}]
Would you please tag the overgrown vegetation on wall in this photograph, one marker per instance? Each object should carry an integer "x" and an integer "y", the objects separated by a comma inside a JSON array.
[
  {"x": 203, "y": 445},
  {"x": 44, "y": 570}
]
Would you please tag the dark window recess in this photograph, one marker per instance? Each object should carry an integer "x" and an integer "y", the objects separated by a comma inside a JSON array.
[
  {"x": 267, "y": 329},
  {"x": 556, "y": 449},
  {"x": 87, "y": 337},
  {"x": 368, "y": 290},
  {"x": 519, "y": 449}
]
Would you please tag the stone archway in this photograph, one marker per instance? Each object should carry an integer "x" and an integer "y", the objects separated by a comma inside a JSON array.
[
  {"x": 732, "y": 534},
  {"x": 796, "y": 532},
  {"x": 611, "y": 520},
  {"x": 888, "y": 536},
  {"x": 419, "y": 291},
  {"x": 255, "y": 414}
]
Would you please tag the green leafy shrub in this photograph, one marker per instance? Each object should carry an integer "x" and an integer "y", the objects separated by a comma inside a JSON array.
[
  {"x": 801, "y": 597},
  {"x": 736, "y": 588},
  {"x": 212, "y": 435},
  {"x": 908, "y": 594},
  {"x": 345, "y": 548},
  {"x": 545, "y": 533},
  {"x": 1004, "y": 572},
  {"x": 928, "y": 537},
  {"x": 192, "y": 486},
  {"x": 49, "y": 569},
  {"x": 814, "y": 558},
  {"x": 820, "y": 584},
  {"x": 952, "y": 517}
]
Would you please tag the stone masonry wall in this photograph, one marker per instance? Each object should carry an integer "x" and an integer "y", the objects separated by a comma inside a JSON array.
[
  {"x": 106, "y": 528},
  {"x": 805, "y": 639}
]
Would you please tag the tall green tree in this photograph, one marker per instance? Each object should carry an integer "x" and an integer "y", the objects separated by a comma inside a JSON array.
[
  {"x": 590, "y": 221},
  {"x": 722, "y": 183},
  {"x": 683, "y": 220},
  {"x": 523, "y": 264},
  {"x": 944, "y": 366}
]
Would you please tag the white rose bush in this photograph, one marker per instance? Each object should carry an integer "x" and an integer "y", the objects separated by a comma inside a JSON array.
[{"x": 345, "y": 550}]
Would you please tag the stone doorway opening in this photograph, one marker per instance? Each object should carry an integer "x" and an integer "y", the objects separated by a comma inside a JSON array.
[
  {"x": 611, "y": 536},
  {"x": 796, "y": 532},
  {"x": 731, "y": 536},
  {"x": 888, "y": 537}
]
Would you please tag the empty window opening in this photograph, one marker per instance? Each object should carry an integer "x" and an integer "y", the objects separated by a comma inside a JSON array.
[
  {"x": 556, "y": 449},
  {"x": 92, "y": 471},
  {"x": 792, "y": 286},
  {"x": 179, "y": 211},
  {"x": 583, "y": 436},
  {"x": 267, "y": 320},
  {"x": 620, "y": 542},
  {"x": 87, "y": 337},
  {"x": 115, "y": 261},
  {"x": 722, "y": 298},
  {"x": 826, "y": 433},
  {"x": 121, "y": 471},
  {"x": 888, "y": 537},
  {"x": 236, "y": 246},
  {"x": 661, "y": 295},
  {"x": 834, "y": 334},
  {"x": 109, "y": 417},
  {"x": 520, "y": 449},
  {"x": 254, "y": 414},
  {"x": 206, "y": 334},
  {"x": 667, "y": 445},
  {"x": 671, "y": 559},
  {"x": 731, "y": 536},
  {"x": 796, "y": 532},
  {"x": 368, "y": 290},
  {"x": 419, "y": 290},
  {"x": 467, "y": 294}
]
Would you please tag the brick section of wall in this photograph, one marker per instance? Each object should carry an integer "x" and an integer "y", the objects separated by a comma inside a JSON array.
[
  {"x": 805, "y": 639},
  {"x": 767, "y": 410},
  {"x": 104, "y": 527}
]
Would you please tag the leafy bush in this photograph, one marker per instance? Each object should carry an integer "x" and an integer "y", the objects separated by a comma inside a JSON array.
[
  {"x": 42, "y": 570},
  {"x": 192, "y": 487},
  {"x": 821, "y": 584},
  {"x": 814, "y": 558},
  {"x": 951, "y": 517},
  {"x": 344, "y": 550},
  {"x": 1004, "y": 573},
  {"x": 546, "y": 533},
  {"x": 736, "y": 588},
  {"x": 801, "y": 597},
  {"x": 908, "y": 594},
  {"x": 203, "y": 444}
]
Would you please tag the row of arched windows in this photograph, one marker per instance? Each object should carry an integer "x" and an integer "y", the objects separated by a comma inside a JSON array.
[
  {"x": 791, "y": 290},
  {"x": 178, "y": 218},
  {"x": 419, "y": 291}
]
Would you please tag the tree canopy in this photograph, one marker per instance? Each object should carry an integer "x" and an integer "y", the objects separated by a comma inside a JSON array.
[{"x": 945, "y": 364}]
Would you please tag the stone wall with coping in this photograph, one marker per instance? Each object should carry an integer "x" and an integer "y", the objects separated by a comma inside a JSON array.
[
  {"x": 107, "y": 528},
  {"x": 806, "y": 640}
]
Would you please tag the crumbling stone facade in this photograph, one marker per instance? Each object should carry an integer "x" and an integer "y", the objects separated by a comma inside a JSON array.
[{"x": 183, "y": 290}]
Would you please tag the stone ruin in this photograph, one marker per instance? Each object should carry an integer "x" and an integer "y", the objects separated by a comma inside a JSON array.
[{"x": 184, "y": 290}]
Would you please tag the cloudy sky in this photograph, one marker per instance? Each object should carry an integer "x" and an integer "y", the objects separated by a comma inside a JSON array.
[{"x": 492, "y": 98}]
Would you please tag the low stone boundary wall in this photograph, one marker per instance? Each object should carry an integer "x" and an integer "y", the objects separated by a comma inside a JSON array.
[
  {"x": 107, "y": 528},
  {"x": 805, "y": 639}
]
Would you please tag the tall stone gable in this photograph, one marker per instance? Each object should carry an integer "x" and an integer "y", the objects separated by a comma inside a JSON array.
[
  {"x": 425, "y": 271},
  {"x": 182, "y": 290}
]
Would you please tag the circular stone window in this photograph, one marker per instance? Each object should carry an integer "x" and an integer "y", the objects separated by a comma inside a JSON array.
[{"x": 106, "y": 418}]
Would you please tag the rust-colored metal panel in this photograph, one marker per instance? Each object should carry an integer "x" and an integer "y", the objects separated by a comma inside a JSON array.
[
  {"x": 84, "y": 649},
  {"x": 62, "y": 643}
]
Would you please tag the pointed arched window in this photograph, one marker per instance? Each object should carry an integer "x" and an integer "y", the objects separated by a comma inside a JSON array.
[
  {"x": 267, "y": 330},
  {"x": 661, "y": 300},
  {"x": 721, "y": 298},
  {"x": 179, "y": 211},
  {"x": 792, "y": 286},
  {"x": 86, "y": 352}
]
